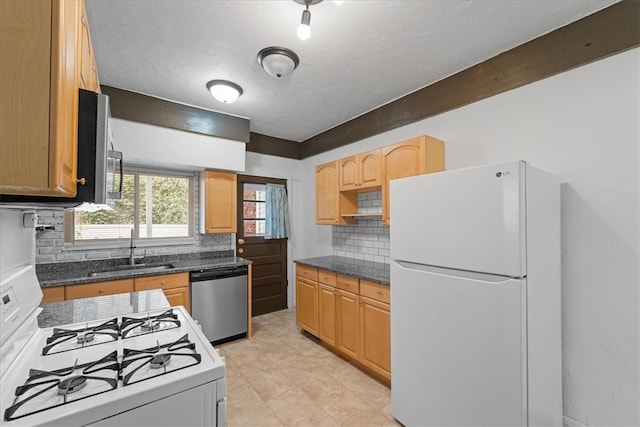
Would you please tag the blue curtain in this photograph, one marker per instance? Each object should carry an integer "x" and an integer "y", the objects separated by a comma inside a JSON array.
[{"x": 277, "y": 212}]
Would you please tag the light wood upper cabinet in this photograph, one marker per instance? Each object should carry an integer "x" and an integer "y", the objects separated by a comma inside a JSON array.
[
  {"x": 220, "y": 202},
  {"x": 39, "y": 103},
  {"x": 362, "y": 171},
  {"x": 415, "y": 156},
  {"x": 327, "y": 194},
  {"x": 88, "y": 77},
  {"x": 331, "y": 204}
]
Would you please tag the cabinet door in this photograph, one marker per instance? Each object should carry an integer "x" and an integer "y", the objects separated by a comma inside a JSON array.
[
  {"x": 88, "y": 77},
  {"x": 39, "y": 134},
  {"x": 349, "y": 173},
  {"x": 99, "y": 289},
  {"x": 327, "y": 193},
  {"x": 63, "y": 140},
  {"x": 307, "y": 305},
  {"x": 370, "y": 169},
  {"x": 348, "y": 318},
  {"x": 178, "y": 296},
  {"x": 375, "y": 336},
  {"x": 327, "y": 314},
  {"x": 220, "y": 195},
  {"x": 410, "y": 158}
]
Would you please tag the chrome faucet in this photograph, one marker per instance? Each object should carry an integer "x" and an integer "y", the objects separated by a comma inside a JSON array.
[{"x": 132, "y": 246}]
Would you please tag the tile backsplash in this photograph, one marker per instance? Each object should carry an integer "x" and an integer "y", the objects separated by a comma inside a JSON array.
[{"x": 368, "y": 239}]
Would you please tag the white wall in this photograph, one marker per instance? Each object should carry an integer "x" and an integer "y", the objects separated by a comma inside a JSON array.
[
  {"x": 582, "y": 125},
  {"x": 158, "y": 146},
  {"x": 289, "y": 169}
]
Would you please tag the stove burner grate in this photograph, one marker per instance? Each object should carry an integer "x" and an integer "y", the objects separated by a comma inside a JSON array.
[
  {"x": 44, "y": 390},
  {"x": 160, "y": 361},
  {"x": 73, "y": 384},
  {"x": 62, "y": 339},
  {"x": 134, "y": 364},
  {"x": 133, "y": 326}
]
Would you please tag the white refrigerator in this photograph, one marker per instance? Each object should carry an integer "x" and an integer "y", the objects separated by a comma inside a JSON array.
[{"x": 475, "y": 298}]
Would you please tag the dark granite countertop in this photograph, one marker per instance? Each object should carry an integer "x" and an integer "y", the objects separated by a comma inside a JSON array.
[
  {"x": 76, "y": 273},
  {"x": 373, "y": 271},
  {"x": 104, "y": 307}
]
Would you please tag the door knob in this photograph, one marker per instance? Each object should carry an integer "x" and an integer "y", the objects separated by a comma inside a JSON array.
[
  {"x": 240, "y": 250},
  {"x": 241, "y": 241}
]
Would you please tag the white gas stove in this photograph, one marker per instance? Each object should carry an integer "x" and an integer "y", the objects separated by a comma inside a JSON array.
[{"x": 153, "y": 368}]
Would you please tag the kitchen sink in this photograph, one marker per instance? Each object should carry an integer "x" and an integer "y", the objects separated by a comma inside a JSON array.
[{"x": 147, "y": 268}]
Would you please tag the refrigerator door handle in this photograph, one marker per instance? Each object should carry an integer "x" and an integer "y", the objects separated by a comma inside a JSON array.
[{"x": 473, "y": 275}]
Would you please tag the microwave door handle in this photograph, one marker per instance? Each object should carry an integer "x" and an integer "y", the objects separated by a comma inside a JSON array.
[{"x": 118, "y": 156}]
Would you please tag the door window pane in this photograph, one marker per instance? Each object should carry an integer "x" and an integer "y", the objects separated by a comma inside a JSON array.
[{"x": 253, "y": 210}]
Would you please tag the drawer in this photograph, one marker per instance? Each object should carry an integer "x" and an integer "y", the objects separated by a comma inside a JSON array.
[
  {"x": 99, "y": 289},
  {"x": 375, "y": 291},
  {"x": 310, "y": 273},
  {"x": 347, "y": 283},
  {"x": 327, "y": 277},
  {"x": 53, "y": 294},
  {"x": 164, "y": 281}
]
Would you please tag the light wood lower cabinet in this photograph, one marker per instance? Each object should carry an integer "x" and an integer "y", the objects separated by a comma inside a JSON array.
[
  {"x": 349, "y": 315},
  {"x": 98, "y": 289},
  {"x": 53, "y": 294},
  {"x": 375, "y": 336},
  {"x": 327, "y": 298},
  {"x": 175, "y": 288},
  {"x": 348, "y": 324},
  {"x": 307, "y": 305}
]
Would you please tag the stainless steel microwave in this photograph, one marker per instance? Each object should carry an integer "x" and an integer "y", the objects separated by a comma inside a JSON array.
[{"x": 98, "y": 163}]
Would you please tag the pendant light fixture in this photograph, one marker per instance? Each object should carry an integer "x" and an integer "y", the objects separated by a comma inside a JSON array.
[
  {"x": 278, "y": 61},
  {"x": 224, "y": 90},
  {"x": 304, "y": 29}
]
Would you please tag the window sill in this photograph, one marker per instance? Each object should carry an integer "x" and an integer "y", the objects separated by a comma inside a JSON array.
[{"x": 124, "y": 244}]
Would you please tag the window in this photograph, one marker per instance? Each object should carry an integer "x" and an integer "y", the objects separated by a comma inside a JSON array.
[
  {"x": 156, "y": 205},
  {"x": 253, "y": 196}
]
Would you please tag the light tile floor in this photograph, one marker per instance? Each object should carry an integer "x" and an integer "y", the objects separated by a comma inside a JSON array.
[{"x": 284, "y": 378}]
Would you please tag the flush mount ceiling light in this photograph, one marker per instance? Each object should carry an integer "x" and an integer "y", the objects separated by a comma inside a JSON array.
[
  {"x": 304, "y": 29},
  {"x": 278, "y": 61},
  {"x": 224, "y": 91}
]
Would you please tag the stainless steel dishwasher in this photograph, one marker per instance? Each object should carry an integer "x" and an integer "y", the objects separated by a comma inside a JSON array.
[{"x": 219, "y": 302}]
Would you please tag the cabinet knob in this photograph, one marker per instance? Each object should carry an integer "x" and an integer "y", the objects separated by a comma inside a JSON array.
[
  {"x": 101, "y": 291},
  {"x": 378, "y": 292},
  {"x": 163, "y": 282},
  {"x": 81, "y": 181}
]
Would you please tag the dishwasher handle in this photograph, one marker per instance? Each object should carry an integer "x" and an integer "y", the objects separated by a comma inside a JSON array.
[{"x": 219, "y": 273}]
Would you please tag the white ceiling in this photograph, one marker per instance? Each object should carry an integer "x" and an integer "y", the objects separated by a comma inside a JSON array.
[{"x": 361, "y": 54}]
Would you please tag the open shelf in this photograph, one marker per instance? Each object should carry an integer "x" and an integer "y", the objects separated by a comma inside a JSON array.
[{"x": 363, "y": 215}]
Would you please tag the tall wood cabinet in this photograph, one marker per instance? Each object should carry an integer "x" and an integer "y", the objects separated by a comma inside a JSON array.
[
  {"x": 218, "y": 202},
  {"x": 39, "y": 103}
]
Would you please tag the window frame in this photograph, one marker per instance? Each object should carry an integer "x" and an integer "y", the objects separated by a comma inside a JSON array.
[{"x": 70, "y": 243}]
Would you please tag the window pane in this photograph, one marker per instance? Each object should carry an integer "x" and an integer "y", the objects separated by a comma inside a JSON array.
[
  {"x": 253, "y": 210},
  {"x": 115, "y": 224},
  {"x": 254, "y": 227},
  {"x": 164, "y": 206},
  {"x": 254, "y": 192}
]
